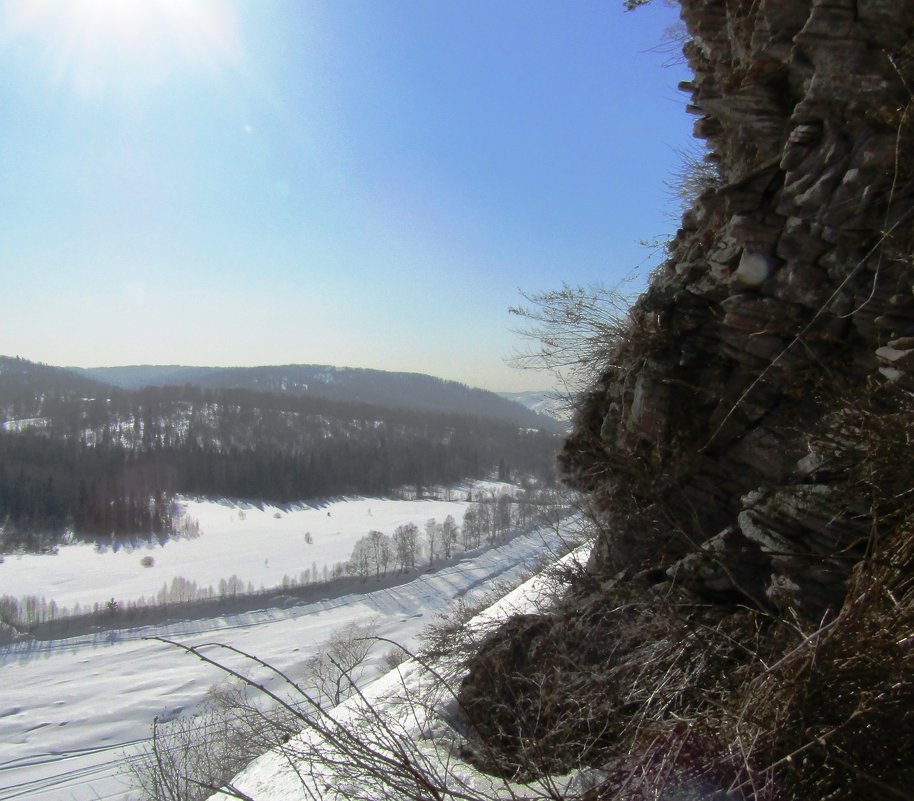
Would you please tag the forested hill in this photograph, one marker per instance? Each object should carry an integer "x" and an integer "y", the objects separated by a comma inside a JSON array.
[
  {"x": 21, "y": 381},
  {"x": 378, "y": 387},
  {"x": 98, "y": 460}
]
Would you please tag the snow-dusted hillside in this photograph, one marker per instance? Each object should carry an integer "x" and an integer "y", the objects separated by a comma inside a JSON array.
[
  {"x": 348, "y": 384},
  {"x": 91, "y": 459}
]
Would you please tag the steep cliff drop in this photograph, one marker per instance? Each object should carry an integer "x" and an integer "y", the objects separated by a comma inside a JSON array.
[{"x": 745, "y": 626}]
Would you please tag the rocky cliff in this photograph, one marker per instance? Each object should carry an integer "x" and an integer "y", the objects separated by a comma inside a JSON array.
[
  {"x": 746, "y": 447},
  {"x": 788, "y": 290}
]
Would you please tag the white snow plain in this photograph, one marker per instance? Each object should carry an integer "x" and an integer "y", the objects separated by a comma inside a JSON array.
[
  {"x": 259, "y": 544},
  {"x": 408, "y": 717},
  {"x": 73, "y": 711}
]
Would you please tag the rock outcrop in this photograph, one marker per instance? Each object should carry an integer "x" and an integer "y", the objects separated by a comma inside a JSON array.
[
  {"x": 731, "y": 442},
  {"x": 787, "y": 292}
]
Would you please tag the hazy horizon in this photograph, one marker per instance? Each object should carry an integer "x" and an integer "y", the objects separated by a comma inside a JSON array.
[
  {"x": 232, "y": 366},
  {"x": 230, "y": 183}
]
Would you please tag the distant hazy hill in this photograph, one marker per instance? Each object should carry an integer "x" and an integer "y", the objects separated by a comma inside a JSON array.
[
  {"x": 541, "y": 402},
  {"x": 146, "y": 375},
  {"x": 21, "y": 380},
  {"x": 376, "y": 387},
  {"x": 97, "y": 459}
]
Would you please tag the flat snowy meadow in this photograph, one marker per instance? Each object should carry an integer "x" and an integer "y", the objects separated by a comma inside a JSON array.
[{"x": 260, "y": 545}]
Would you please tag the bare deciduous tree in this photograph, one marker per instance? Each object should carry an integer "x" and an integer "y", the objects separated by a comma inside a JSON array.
[
  {"x": 449, "y": 532},
  {"x": 406, "y": 545},
  {"x": 330, "y": 676},
  {"x": 432, "y": 538}
]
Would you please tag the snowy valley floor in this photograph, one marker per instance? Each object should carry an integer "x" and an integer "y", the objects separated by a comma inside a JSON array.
[
  {"x": 401, "y": 737},
  {"x": 73, "y": 711}
]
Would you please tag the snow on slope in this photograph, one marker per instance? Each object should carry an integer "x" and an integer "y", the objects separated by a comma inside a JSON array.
[
  {"x": 73, "y": 710},
  {"x": 418, "y": 716}
]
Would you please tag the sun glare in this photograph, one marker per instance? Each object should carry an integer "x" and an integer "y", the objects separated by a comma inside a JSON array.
[{"x": 99, "y": 45}]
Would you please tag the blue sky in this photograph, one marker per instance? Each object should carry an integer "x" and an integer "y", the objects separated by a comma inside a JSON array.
[{"x": 356, "y": 182}]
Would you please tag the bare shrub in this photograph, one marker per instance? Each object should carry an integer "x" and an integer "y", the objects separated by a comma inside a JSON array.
[
  {"x": 393, "y": 658},
  {"x": 361, "y": 755},
  {"x": 190, "y": 758},
  {"x": 450, "y": 634},
  {"x": 698, "y": 172},
  {"x": 332, "y": 675},
  {"x": 573, "y": 331}
]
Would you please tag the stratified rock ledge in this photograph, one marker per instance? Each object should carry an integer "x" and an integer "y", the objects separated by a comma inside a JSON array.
[{"x": 746, "y": 447}]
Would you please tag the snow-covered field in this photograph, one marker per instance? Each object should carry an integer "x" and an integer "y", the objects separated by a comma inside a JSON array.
[
  {"x": 73, "y": 710},
  {"x": 408, "y": 711},
  {"x": 260, "y": 545}
]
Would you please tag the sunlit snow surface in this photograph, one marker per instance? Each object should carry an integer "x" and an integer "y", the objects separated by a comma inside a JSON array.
[
  {"x": 71, "y": 709},
  {"x": 260, "y": 545},
  {"x": 416, "y": 704}
]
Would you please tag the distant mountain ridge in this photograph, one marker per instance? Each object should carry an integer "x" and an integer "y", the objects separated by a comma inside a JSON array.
[
  {"x": 542, "y": 402},
  {"x": 21, "y": 380},
  {"x": 145, "y": 375},
  {"x": 102, "y": 461},
  {"x": 360, "y": 385}
]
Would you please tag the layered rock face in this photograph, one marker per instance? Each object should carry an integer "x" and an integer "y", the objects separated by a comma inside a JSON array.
[
  {"x": 724, "y": 418},
  {"x": 733, "y": 445}
]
